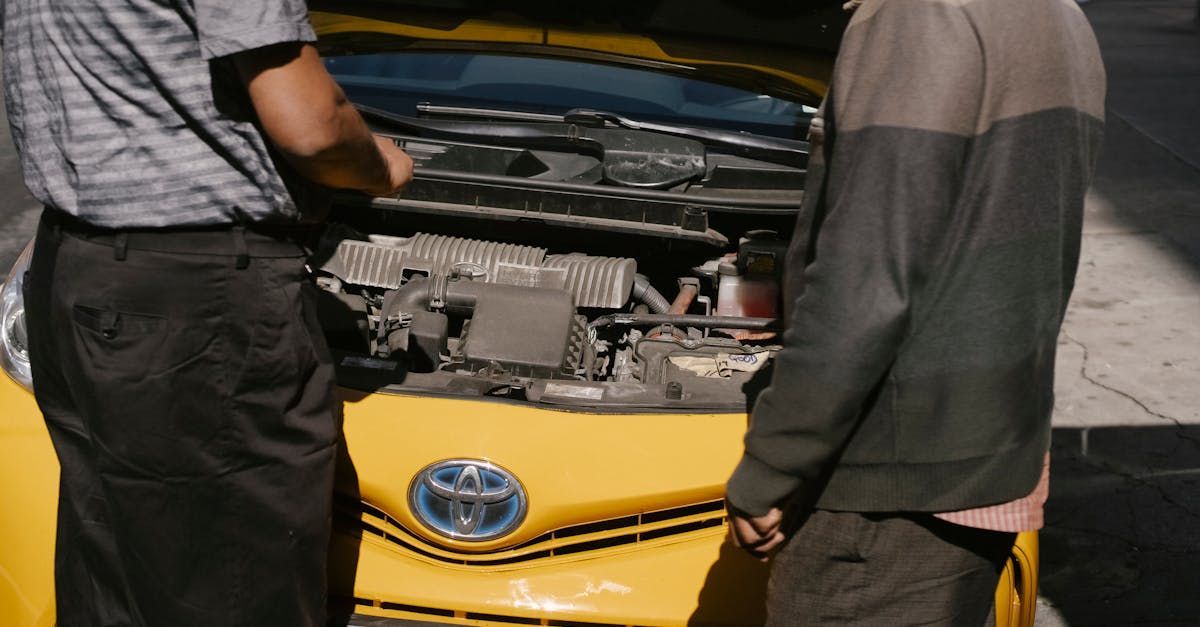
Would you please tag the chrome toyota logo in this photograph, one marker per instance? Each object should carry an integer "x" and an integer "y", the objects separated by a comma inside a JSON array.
[{"x": 467, "y": 499}]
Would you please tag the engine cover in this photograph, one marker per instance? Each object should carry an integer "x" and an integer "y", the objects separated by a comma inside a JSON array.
[
  {"x": 528, "y": 331},
  {"x": 387, "y": 262}
]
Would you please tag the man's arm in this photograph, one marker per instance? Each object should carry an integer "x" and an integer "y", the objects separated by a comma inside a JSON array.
[
  {"x": 904, "y": 106},
  {"x": 309, "y": 120}
]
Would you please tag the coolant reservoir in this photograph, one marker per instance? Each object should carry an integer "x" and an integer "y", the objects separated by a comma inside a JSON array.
[{"x": 753, "y": 296}]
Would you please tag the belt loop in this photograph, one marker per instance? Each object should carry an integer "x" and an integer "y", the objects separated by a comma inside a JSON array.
[
  {"x": 121, "y": 246},
  {"x": 241, "y": 254}
]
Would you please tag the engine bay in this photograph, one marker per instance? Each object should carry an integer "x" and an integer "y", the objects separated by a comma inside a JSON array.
[
  {"x": 538, "y": 315},
  {"x": 587, "y": 261}
]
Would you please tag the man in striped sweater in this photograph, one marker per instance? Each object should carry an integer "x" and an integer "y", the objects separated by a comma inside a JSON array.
[
  {"x": 908, "y": 421},
  {"x": 182, "y": 149}
]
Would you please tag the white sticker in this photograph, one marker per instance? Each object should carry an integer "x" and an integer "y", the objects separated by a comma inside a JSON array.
[
  {"x": 531, "y": 276},
  {"x": 574, "y": 391},
  {"x": 513, "y": 274}
]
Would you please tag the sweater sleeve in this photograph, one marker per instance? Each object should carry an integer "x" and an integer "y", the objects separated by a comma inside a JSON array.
[{"x": 901, "y": 114}]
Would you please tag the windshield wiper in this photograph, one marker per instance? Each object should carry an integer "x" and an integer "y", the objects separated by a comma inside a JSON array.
[
  {"x": 489, "y": 114},
  {"x": 628, "y": 157},
  {"x": 785, "y": 151}
]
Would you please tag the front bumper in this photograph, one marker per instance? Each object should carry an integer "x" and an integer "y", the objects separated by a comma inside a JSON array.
[
  {"x": 578, "y": 466},
  {"x": 625, "y": 523},
  {"x": 702, "y": 580}
]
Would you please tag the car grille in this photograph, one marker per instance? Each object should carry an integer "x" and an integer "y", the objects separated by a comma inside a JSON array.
[{"x": 559, "y": 544}]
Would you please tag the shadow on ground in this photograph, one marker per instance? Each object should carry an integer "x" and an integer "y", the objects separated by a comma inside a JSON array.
[
  {"x": 1154, "y": 189},
  {"x": 1121, "y": 545}
]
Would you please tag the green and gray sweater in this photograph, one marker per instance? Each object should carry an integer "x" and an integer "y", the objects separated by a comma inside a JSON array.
[{"x": 932, "y": 261}]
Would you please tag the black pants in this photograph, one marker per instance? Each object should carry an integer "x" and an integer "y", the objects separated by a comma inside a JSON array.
[
  {"x": 188, "y": 394},
  {"x": 845, "y": 568}
]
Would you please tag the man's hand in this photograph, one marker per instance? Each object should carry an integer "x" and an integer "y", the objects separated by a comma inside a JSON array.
[
  {"x": 759, "y": 536},
  {"x": 399, "y": 168}
]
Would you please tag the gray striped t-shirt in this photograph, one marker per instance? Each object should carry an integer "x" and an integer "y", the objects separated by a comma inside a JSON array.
[{"x": 126, "y": 114}]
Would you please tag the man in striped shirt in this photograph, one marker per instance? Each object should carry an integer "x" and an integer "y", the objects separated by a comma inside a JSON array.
[
  {"x": 182, "y": 150},
  {"x": 908, "y": 421}
]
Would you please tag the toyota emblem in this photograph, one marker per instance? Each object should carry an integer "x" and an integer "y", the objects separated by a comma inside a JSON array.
[{"x": 467, "y": 499}]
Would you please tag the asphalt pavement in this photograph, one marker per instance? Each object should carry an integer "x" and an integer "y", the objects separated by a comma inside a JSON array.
[
  {"x": 1122, "y": 542},
  {"x": 1121, "y": 546}
]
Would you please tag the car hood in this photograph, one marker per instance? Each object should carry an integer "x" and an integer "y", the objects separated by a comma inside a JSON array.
[{"x": 778, "y": 48}]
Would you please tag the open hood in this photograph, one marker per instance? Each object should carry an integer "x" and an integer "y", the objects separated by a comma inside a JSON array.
[{"x": 779, "y": 48}]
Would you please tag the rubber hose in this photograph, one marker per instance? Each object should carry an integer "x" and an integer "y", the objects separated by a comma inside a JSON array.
[
  {"x": 644, "y": 292},
  {"x": 412, "y": 296},
  {"x": 683, "y": 302}
]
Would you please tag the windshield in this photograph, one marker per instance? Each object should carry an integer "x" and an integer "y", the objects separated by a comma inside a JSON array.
[{"x": 397, "y": 82}]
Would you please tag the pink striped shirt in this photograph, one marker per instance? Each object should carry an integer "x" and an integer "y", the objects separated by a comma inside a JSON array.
[{"x": 1024, "y": 514}]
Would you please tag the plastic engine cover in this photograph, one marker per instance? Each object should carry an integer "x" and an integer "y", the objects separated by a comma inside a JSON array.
[
  {"x": 387, "y": 262},
  {"x": 527, "y": 330}
]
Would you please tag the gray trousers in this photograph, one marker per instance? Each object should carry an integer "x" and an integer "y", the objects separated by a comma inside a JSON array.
[{"x": 846, "y": 568}]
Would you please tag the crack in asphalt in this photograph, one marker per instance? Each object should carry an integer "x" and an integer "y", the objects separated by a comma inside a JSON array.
[
  {"x": 1132, "y": 477},
  {"x": 1126, "y": 395},
  {"x": 1114, "y": 468},
  {"x": 1061, "y": 521}
]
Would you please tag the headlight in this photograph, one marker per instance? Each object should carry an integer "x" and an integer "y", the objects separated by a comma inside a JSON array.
[{"x": 15, "y": 354}]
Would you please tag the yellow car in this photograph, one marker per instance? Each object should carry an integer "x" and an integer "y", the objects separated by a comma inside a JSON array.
[{"x": 546, "y": 347}]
